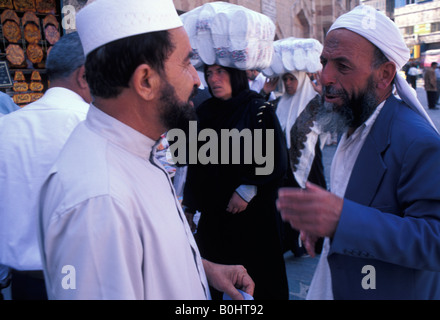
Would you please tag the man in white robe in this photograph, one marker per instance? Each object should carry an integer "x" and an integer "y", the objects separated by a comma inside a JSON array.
[
  {"x": 31, "y": 139},
  {"x": 111, "y": 226}
]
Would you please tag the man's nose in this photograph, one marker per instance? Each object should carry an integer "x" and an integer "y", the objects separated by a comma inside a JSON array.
[
  {"x": 328, "y": 75},
  {"x": 196, "y": 77}
]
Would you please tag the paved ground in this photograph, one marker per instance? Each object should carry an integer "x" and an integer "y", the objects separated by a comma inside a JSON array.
[{"x": 300, "y": 270}]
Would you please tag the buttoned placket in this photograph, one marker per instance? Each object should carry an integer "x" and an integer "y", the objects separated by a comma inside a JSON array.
[{"x": 182, "y": 217}]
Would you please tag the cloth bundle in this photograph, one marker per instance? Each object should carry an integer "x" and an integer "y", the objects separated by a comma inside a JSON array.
[
  {"x": 229, "y": 35},
  {"x": 295, "y": 54}
]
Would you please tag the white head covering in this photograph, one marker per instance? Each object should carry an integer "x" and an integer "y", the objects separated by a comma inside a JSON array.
[
  {"x": 381, "y": 31},
  {"x": 291, "y": 106},
  {"x": 289, "y": 109},
  {"x": 103, "y": 21}
]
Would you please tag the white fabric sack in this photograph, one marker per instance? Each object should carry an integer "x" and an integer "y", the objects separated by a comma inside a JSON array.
[
  {"x": 295, "y": 54},
  {"x": 230, "y": 35}
]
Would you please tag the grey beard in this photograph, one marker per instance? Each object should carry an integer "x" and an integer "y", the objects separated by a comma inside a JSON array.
[
  {"x": 352, "y": 114},
  {"x": 330, "y": 120}
]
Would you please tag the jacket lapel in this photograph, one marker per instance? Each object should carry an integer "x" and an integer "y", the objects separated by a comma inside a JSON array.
[{"x": 370, "y": 168}]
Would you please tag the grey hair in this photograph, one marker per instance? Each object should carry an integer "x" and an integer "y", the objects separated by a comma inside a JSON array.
[{"x": 65, "y": 57}]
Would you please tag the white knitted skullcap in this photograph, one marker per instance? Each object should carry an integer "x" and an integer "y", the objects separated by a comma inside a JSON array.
[{"x": 104, "y": 21}]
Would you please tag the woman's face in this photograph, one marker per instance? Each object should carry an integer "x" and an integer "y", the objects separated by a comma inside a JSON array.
[
  {"x": 219, "y": 81},
  {"x": 290, "y": 83}
]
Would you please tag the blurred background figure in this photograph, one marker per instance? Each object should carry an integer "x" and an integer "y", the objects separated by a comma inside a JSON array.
[
  {"x": 259, "y": 83},
  {"x": 7, "y": 105},
  {"x": 31, "y": 139}
]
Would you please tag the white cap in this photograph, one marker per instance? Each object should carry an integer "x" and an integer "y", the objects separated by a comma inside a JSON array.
[{"x": 103, "y": 21}]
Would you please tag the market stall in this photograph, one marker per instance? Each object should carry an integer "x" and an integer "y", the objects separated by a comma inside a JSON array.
[{"x": 29, "y": 28}]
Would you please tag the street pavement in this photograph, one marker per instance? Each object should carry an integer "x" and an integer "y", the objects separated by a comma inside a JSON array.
[{"x": 300, "y": 269}]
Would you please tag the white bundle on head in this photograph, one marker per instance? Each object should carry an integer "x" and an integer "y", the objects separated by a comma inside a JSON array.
[
  {"x": 229, "y": 35},
  {"x": 295, "y": 54},
  {"x": 381, "y": 31}
]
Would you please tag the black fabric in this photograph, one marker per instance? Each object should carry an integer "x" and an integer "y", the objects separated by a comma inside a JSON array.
[
  {"x": 28, "y": 285},
  {"x": 298, "y": 136},
  {"x": 250, "y": 238}
]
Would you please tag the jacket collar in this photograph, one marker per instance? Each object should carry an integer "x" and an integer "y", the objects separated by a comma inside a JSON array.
[{"x": 370, "y": 167}]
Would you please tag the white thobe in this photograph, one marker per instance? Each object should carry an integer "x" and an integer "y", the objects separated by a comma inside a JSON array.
[
  {"x": 258, "y": 84},
  {"x": 342, "y": 166},
  {"x": 110, "y": 217},
  {"x": 31, "y": 139}
]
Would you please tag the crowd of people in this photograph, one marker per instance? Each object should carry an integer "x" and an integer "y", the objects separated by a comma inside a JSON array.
[
  {"x": 431, "y": 80},
  {"x": 88, "y": 210}
]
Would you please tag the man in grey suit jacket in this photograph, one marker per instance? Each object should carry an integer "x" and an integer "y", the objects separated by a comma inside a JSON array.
[{"x": 382, "y": 217}]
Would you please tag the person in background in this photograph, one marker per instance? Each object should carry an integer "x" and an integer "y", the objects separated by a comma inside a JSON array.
[
  {"x": 431, "y": 86},
  {"x": 260, "y": 84},
  {"x": 32, "y": 138},
  {"x": 437, "y": 76},
  {"x": 108, "y": 209},
  {"x": 381, "y": 219},
  {"x": 412, "y": 75},
  {"x": 239, "y": 223},
  {"x": 296, "y": 110},
  {"x": 7, "y": 105}
]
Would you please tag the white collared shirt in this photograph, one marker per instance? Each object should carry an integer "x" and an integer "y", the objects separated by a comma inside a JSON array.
[
  {"x": 110, "y": 213},
  {"x": 341, "y": 169},
  {"x": 30, "y": 140}
]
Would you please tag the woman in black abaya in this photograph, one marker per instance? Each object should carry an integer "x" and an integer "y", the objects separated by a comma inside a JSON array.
[{"x": 239, "y": 223}]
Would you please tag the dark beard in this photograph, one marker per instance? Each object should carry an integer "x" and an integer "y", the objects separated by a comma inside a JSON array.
[
  {"x": 174, "y": 113},
  {"x": 351, "y": 114}
]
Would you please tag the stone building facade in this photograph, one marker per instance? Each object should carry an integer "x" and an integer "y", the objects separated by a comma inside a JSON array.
[
  {"x": 420, "y": 24},
  {"x": 293, "y": 18}
]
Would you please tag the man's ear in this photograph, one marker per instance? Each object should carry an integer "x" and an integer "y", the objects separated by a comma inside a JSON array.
[
  {"x": 146, "y": 82},
  {"x": 387, "y": 72},
  {"x": 81, "y": 78},
  {"x": 81, "y": 86}
]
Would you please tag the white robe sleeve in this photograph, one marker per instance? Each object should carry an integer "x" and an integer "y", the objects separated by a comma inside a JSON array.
[{"x": 104, "y": 261}]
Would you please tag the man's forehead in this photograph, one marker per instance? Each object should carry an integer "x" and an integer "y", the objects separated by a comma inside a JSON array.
[{"x": 346, "y": 42}]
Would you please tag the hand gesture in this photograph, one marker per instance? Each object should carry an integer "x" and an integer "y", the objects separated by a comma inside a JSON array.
[
  {"x": 312, "y": 210},
  {"x": 317, "y": 85},
  {"x": 270, "y": 85},
  {"x": 229, "y": 278}
]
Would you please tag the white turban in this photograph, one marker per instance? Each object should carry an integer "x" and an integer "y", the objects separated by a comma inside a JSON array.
[{"x": 377, "y": 28}]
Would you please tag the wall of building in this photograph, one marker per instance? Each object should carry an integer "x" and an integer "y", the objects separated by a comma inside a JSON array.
[
  {"x": 293, "y": 18},
  {"x": 420, "y": 24}
]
